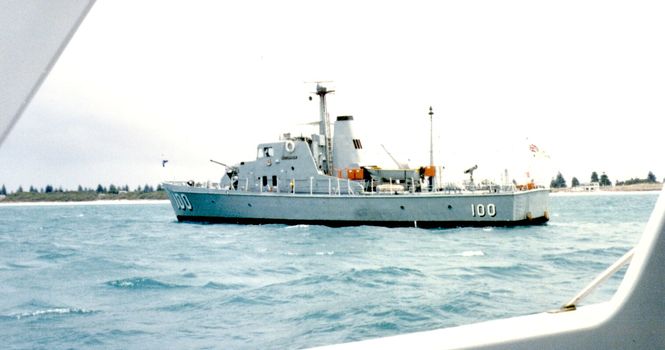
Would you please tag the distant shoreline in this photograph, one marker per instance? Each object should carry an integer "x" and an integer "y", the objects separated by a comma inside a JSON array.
[
  {"x": 647, "y": 187},
  {"x": 93, "y": 202},
  {"x": 81, "y": 196},
  {"x": 601, "y": 193}
]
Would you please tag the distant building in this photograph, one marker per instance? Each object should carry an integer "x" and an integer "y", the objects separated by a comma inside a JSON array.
[{"x": 587, "y": 187}]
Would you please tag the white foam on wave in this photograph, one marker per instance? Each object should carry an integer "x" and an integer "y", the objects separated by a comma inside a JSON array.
[
  {"x": 123, "y": 284},
  {"x": 297, "y": 226},
  {"x": 472, "y": 253},
  {"x": 54, "y": 311},
  {"x": 325, "y": 253}
]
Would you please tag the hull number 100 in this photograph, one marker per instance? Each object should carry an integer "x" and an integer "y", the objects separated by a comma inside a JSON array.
[
  {"x": 480, "y": 210},
  {"x": 182, "y": 202}
]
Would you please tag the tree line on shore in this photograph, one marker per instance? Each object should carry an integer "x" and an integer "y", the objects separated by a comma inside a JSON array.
[
  {"x": 603, "y": 180},
  {"x": 111, "y": 189},
  {"x": 52, "y": 193}
]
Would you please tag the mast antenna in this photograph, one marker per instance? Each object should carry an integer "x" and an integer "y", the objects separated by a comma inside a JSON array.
[
  {"x": 324, "y": 126},
  {"x": 431, "y": 139}
]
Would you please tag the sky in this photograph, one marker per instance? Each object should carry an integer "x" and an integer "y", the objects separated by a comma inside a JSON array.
[{"x": 191, "y": 81}]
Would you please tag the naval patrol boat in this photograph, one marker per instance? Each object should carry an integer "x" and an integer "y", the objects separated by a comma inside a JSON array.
[{"x": 320, "y": 179}]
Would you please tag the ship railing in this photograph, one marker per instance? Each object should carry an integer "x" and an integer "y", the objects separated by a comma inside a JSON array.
[
  {"x": 404, "y": 187},
  {"x": 331, "y": 186},
  {"x": 192, "y": 183},
  {"x": 489, "y": 188},
  {"x": 600, "y": 279},
  {"x": 334, "y": 186},
  {"x": 447, "y": 188}
]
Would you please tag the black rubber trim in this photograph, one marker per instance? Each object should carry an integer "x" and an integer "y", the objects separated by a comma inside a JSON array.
[{"x": 338, "y": 223}]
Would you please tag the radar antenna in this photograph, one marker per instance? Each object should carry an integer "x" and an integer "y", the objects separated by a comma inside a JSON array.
[{"x": 470, "y": 172}]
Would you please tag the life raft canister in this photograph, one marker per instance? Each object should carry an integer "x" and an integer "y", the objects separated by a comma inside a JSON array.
[{"x": 289, "y": 146}]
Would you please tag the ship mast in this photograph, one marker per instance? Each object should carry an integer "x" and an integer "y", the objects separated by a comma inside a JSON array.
[
  {"x": 324, "y": 127},
  {"x": 431, "y": 139}
]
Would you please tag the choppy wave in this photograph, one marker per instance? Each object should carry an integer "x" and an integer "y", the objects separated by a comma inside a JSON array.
[
  {"x": 139, "y": 283},
  {"x": 55, "y": 255},
  {"x": 387, "y": 271},
  {"x": 223, "y": 286},
  {"x": 378, "y": 277},
  {"x": 14, "y": 265},
  {"x": 512, "y": 270},
  {"x": 186, "y": 306},
  {"x": 469, "y": 253},
  {"x": 60, "y": 311},
  {"x": 164, "y": 284}
]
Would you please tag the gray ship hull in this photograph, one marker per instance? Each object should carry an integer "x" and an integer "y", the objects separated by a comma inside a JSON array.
[{"x": 396, "y": 210}]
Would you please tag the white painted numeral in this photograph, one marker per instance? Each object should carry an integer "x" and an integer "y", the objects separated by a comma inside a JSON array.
[
  {"x": 178, "y": 201},
  {"x": 182, "y": 202},
  {"x": 480, "y": 210},
  {"x": 491, "y": 210},
  {"x": 186, "y": 202}
]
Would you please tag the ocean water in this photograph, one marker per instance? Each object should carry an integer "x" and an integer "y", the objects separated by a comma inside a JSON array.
[{"x": 129, "y": 276}]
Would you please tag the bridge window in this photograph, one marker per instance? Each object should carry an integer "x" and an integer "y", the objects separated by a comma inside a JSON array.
[{"x": 265, "y": 152}]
